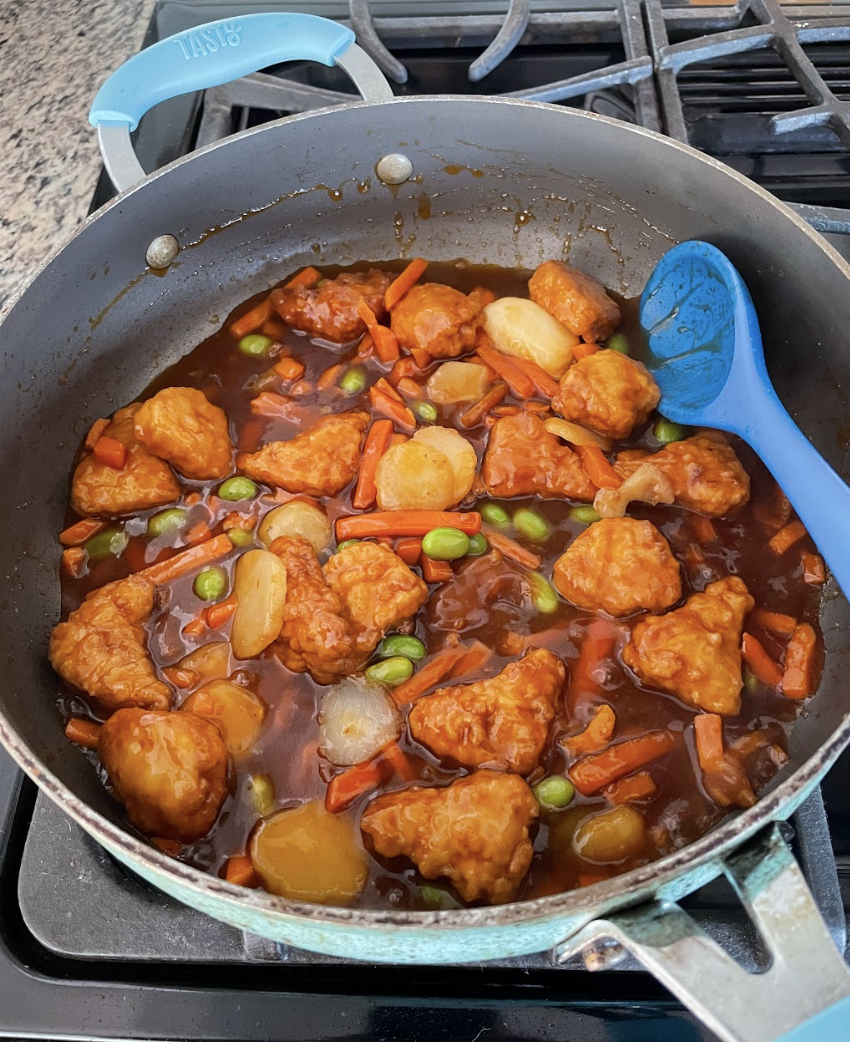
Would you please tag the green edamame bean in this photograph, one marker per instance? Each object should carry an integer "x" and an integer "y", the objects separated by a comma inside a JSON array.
[
  {"x": 619, "y": 342},
  {"x": 167, "y": 521},
  {"x": 437, "y": 899},
  {"x": 532, "y": 525},
  {"x": 348, "y": 542},
  {"x": 543, "y": 594},
  {"x": 445, "y": 544},
  {"x": 401, "y": 644},
  {"x": 255, "y": 345},
  {"x": 235, "y": 489},
  {"x": 210, "y": 584},
  {"x": 391, "y": 671},
  {"x": 666, "y": 432},
  {"x": 586, "y": 515},
  {"x": 353, "y": 381},
  {"x": 554, "y": 793},
  {"x": 109, "y": 541},
  {"x": 751, "y": 683},
  {"x": 495, "y": 515},
  {"x": 239, "y": 537},
  {"x": 424, "y": 411},
  {"x": 477, "y": 545}
]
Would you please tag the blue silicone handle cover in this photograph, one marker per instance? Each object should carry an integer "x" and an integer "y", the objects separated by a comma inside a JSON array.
[
  {"x": 211, "y": 54},
  {"x": 832, "y": 1025}
]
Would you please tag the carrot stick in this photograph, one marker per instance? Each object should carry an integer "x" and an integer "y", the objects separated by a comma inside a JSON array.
[
  {"x": 83, "y": 732},
  {"x": 195, "y": 628},
  {"x": 814, "y": 572},
  {"x": 520, "y": 383},
  {"x": 598, "y": 770},
  {"x": 435, "y": 571},
  {"x": 394, "y": 523},
  {"x": 410, "y": 388},
  {"x": 506, "y": 410},
  {"x": 404, "y": 367},
  {"x": 420, "y": 357},
  {"x": 409, "y": 549},
  {"x": 386, "y": 342},
  {"x": 545, "y": 384},
  {"x": 429, "y": 675},
  {"x": 387, "y": 388},
  {"x": 640, "y": 786},
  {"x": 774, "y": 622},
  {"x": 786, "y": 537},
  {"x": 596, "y": 734},
  {"x": 300, "y": 388},
  {"x": 376, "y": 444},
  {"x": 759, "y": 661},
  {"x": 723, "y": 776},
  {"x": 217, "y": 614},
  {"x": 475, "y": 658},
  {"x": 583, "y": 351},
  {"x": 389, "y": 407},
  {"x": 703, "y": 529},
  {"x": 179, "y": 677},
  {"x": 345, "y": 788},
  {"x": 81, "y": 532},
  {"x": 111, "y": 452},
  {"x": 330, "y": 376},
  {"x": 198, "y": 533},
  {"x": 240, "y": 871},
  {"x": 252, "y": 319},
  {"x": 405, "y": 281},
  {"x": 74, "y": 561},
  {"x": 597, "y": 646},
  {"x": 188, "y": 560},
  {"x": 708, "y": 730},
  {"x": 274, "y": 328},
  {"x": 510, "y": 548},
  {"x": 97, "y": 428},
  {"x": 308, "y": 277},
  {"x": 289, "y": 369},
  {"x": 398, "y": 761},
  {"x": 798, "y": 680},
  {"x": 597, "y": 468},
  {"x": 476, "y": 413},
  {"x": 366, "y": 348}
]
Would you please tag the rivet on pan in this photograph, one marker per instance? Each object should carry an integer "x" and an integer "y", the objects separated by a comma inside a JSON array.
[
  {"x": 394, "y": 169},
  {"x": 162, "y": 251},
  {"x": 604, "y": 957}
]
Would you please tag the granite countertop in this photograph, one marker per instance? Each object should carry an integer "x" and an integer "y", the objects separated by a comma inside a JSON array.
[{"x": 53, "y": 58}]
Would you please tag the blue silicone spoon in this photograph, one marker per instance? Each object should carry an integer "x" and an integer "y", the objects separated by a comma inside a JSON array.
[{"x": 705, "y": 352}]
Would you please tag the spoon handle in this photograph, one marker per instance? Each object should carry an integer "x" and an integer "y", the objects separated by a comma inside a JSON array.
[{"x": 817, "y": 493}]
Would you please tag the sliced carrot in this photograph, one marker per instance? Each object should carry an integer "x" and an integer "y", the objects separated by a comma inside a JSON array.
[
  {"x": 597, "y": 468},
  {"x": 307, "y": 277},
  {"x": 398, "y": 761},
  {"x": 386, "y": 342},
  {"x": 81, "y": 532},
  {"x": 404, "y": 282},
  {"x": 632, "y": 788},
  {"x": 583, "y": 351},
  {"x": 477, "y": 656},
  {"x": 198, "y": 533},
  {"x": 111, "y": 452},
  {"x": 420, "y": 357},
  {"x": 239, "y": 870},
  {"x": 395, "y": 523},
  {"x": 345, "y": 788},
  {"x": 759, "y": 661},
  {"x": 97, "y": 428},
  {"x": 252, "y": 320},
  {"x": 387, "y": 388},
  {"x": 244, "y": 522},
  {"x": 596, "y": 734},
  {"x": 703, "y": 528},
  {"x": 434, "y": 571},
  {"x": 376, "y": 444},
  {"x": 404, "y": 367},
  {"x": 774, "y": 622},
  {"x": 596, "y": 648},
  {"x": 366, "y": 348},
  {"x": 74, "y": 561},
  {"x": 179, "y": 677},
  {"x": 83, "y": 732},
  {"x": 798, "y": 680},
  {"x": 814, "y": 571},
  {"x": 786, "y": 537},
  {"x": 476, "y": 412},
  {"x": 430, "y": 674},
  {"x": 408, "y": 549},
  {"x": 596, "y": 771},
  {"x": 195, "y": 628},
  {"x": 188, "y": 560},
  {"x": 217, "y": 614},
  {"x": 330, "y": 376},
  {"x": 168, "y": 846},
  {"x": 399, "y": 413},
  {"x": 545, "y": 384},
  {"x": 506, "y": 410},
  {"x": 520, "y": 383},
  {"x": 410, "y": 388},
  {"x": 273, "y": 328},
  {"x": 511, "y": 549},
  {"x": 289, "y": 368}
]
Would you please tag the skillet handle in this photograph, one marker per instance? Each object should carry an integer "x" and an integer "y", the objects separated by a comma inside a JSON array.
[
  {"x": 212, "y": 54},
  {"x": 804, "y": 996}
]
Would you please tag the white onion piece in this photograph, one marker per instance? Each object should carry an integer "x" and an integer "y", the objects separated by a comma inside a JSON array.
[
  {"x": 356, "y": 721},
  {"x": 575, "y": 434}
]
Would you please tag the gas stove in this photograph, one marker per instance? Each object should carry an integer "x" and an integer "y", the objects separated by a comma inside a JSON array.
[{"x": 87, "y": 949}]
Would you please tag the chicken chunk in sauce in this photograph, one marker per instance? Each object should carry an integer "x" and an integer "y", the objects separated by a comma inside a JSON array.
[
  {"x": 330, "y": 310},
  {"x": 608, "y": 392},
  {"x": 620, "y": 566},
  {"x": 144, "y": 481},
  {"x": 694, "y": 652},
  {"x": 168, "y": 769},
  {"x": 180, "y": 425},
  {"x": 501, "y": 722},
  {"x": 575, "y": 299},
  {"x": 320, "y": 461},
  {"x": 437, "y": 319},
  {"x": 474, "y": 832}
]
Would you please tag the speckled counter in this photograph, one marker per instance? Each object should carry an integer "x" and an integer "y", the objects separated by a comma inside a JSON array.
[{"x": 53, "y": 57}]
